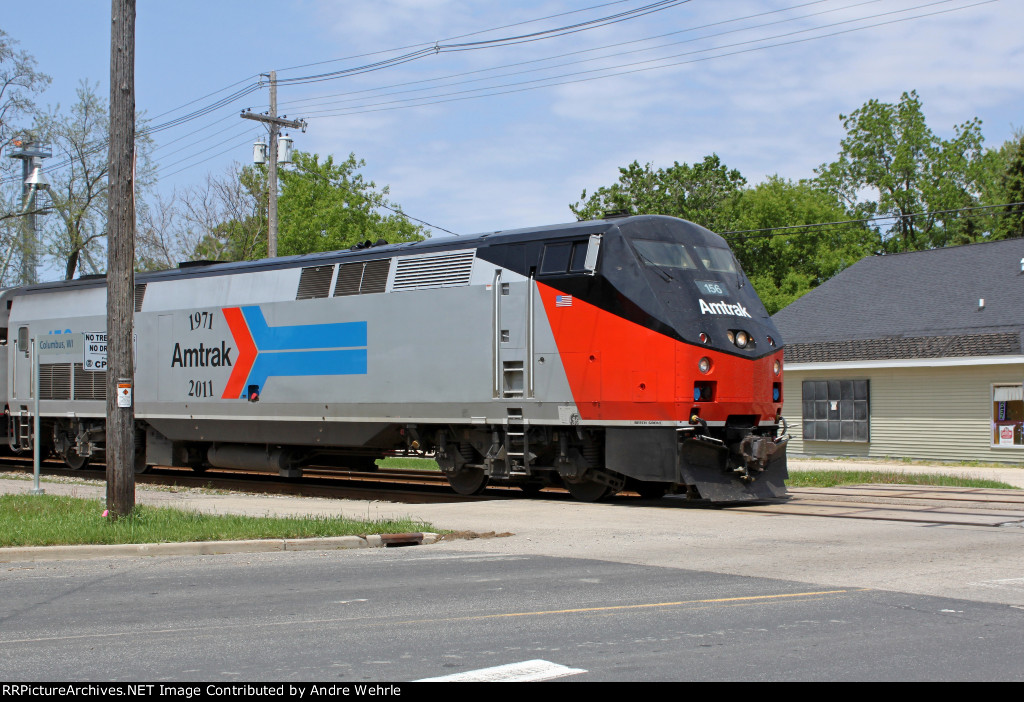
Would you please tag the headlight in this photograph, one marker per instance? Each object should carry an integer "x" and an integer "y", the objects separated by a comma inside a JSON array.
[
  {"x": 742, "y": 339},
  {"x": 704, "y": 364},
  {"x": 778, "y": 367}
]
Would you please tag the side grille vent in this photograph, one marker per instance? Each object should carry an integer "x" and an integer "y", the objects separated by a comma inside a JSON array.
[
  {"x": 315, "y": 282},
  {"x": 54, "y": 381},
  {"x": 140, "y": 294},
  {"x": 90, "y": 385},
  {"x": 446, "y": 270},
  {"x": 362, "y": 278}
]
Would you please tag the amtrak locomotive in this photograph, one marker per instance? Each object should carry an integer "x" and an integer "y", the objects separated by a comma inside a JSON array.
[{"x": 607, "y": 355}]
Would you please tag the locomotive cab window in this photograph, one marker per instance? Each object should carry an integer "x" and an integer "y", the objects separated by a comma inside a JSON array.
[
  {"x": 556, "y": 258},
  {"x": 664, "y": 253},
  {"x": 568, "y": 257},
  {"x": 1007, "y": 416}
]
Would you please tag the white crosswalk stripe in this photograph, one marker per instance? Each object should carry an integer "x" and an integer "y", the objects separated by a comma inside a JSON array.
[{"x": 526, "y": 671}]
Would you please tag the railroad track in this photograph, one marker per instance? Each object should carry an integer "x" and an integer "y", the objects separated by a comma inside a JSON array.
[
  {"x": 409, "y": 486},
  {"x": 921, "y": 504},
  {"x": 903, "y": 503}
]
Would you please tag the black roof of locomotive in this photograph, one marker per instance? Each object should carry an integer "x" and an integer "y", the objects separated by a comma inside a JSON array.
[{"x": 567, "y": 230}]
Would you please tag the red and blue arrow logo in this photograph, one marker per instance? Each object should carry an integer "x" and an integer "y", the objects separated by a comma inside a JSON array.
[{"x": 298, "y": 350}]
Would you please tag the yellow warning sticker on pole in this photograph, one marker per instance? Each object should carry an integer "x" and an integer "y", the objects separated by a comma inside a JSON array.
[{"x": 124, "y": 394}]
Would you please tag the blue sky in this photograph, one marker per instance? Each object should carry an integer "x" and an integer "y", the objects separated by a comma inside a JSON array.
[{"x": 519, "y": 159}]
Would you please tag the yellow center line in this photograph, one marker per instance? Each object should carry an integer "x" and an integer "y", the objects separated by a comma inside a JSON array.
[
  {"x": 718, "y": 600},
  {"x": 376, "y": 621}
]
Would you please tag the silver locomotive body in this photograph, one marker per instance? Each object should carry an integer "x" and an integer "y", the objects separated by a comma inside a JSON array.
[{"x": 506, "y": 356}]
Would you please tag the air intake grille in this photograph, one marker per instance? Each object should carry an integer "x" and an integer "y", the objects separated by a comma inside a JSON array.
[
  {"x": 90, "y": 385},
  {"x": 362, "y": 278},
  {"x": 54, "y": 381},
  {"x": 140, "y": 295},
  {"x": 315, "y": 282},
  {"x": 434, "y": 271}
]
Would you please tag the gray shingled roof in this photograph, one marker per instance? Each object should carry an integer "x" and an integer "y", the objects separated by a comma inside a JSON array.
[{"x": 923, "y": 304}]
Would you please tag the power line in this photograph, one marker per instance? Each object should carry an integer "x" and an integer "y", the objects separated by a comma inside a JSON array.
[
  {"x": 591, "y": 50},
  {"x": 550, "y": 81},
  {"x": 546, "y": 82},
  {"x": 461, "y": 36},
  {"x": 767, "y": 232},
  {"x": 438, "y": 48},
  {"x": 225, "y": 101},
  {"x": 234, "y": 146}
]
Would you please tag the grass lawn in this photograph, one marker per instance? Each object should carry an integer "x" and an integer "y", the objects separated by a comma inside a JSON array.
[
  {"x": 51, "y": 520},
  {"x": 831, "y": 478},
  {"x": 399, "y": 463}
]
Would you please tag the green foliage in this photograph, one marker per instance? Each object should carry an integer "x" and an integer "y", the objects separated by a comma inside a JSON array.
[
  {"x": 890, "y": 151},
  {"x": 1004, "y": 183},
  {"x": 327, "y": 206},
  {"x": 324, "y": 206},
  {"x": 784, "y": 264},
  {"x": 696, "y": 193}
]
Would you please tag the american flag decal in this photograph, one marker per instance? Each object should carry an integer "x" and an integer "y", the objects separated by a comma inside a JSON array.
[{"x": 563, "y": 300}]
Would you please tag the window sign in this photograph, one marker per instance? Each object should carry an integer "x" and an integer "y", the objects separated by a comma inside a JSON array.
[{"x": 1007, "y": 416}]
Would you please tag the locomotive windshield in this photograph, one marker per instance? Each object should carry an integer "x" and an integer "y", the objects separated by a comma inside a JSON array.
[
  {"x": 670, "y": 254},
  {"x": 717, "y": 260},
  {"x": 664, "y": 253}
]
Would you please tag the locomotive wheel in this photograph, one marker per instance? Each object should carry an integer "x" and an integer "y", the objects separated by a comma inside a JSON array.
[
  {"x": 73, "y": 461},
  {"x": 468, "y": 481},
  {"x": 587, "y": 490}
]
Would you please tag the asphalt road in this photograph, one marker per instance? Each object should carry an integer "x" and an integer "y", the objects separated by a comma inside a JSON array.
[
  {"x": 619, "y": 591},
  {"x": 408, "y": 614}
]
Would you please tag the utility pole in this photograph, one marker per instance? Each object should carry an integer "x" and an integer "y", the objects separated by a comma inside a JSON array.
[
  {"x": 120, "y": 442},
  {"x": 274, "y": 124}
]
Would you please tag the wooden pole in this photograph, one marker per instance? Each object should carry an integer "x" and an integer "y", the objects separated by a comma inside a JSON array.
[
  {"x": 274, "y": 124},
  {"x": 120, "y": 442},
  {"x": 275, "y": 130}
]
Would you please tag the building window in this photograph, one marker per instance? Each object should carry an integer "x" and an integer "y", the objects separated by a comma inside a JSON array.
[
  {"x": 835, "y": 410},
  {"x": 1007, "y": 415}
]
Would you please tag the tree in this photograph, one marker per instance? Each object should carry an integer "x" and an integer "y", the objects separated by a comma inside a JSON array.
[
  {"x": 322, "y": 207},
  {"x": 783, "y": 262},
  {"x": 697, "y": 193},
  {"x": 228, "y": 217},
  {"x": 162, "y": 234},
  {"x": 76, "y": 232},
  {"x": 327, "y": 206},
  {"x": 1004, "y": 185},
  {"x": 915, "y": 177}
]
